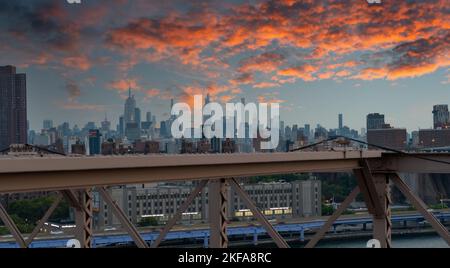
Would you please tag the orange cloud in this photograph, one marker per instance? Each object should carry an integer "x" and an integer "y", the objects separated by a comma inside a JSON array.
[
  {"x": 265, "y": 85},
  {"x": 413, "y": 71},
  {"x": 304, "y": 72},
  {"x": 325, "y": 29},
  {"x": 343, "y": 73},
  {"x": 371, "y": 74},
  {"x": 245, "y": 78},
  {"x": 325, "y": 75},
  {"x": 265, "y": 63},
  {"x": 77, "y": 62},
  {"x": 123, "y": 85},
  {"x": 153, "y": 92}
]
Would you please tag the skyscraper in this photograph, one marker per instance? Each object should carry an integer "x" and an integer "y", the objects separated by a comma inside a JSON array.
[
  {"x": 121, "y": 126},
  {"x": 375, "y": 121},
  {"x": 441, "y": 118},
  {"x": 130, "y": 106},
  {"x": 94, "y": 142},
  {"x": 395, "y": 138},
  {"x": 13, "y": 107},
  {"x": 341, "y": 119},
  {"x": 308, "y": 130},
  {"x": 47, "y": 124},
  {"x": 137, "y": 117},
  {"x": 106, "y": 125}
]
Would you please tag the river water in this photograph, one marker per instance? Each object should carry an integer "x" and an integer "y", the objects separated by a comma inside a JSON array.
[{"x": 419, "y": 241}]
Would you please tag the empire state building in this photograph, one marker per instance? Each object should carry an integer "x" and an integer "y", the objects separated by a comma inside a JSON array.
[{"x": 130, "y": 106}]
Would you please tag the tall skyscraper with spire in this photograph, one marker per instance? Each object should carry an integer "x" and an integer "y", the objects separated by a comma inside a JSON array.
[
  {"x": 106, "y": 125},
  {"x": 132, "y": 130},
  {"x": 130, "y": 106}
]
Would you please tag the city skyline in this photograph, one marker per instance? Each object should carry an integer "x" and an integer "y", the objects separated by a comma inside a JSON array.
[
  {"x": 338, "y": 58},
  {"x": 340, "y": 119}
]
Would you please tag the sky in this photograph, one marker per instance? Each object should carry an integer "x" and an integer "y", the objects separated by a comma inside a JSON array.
[{"x": 316, "y": 58}]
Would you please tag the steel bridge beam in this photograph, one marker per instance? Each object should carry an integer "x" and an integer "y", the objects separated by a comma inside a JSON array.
[
  {"x": 394, "y": 163},
  {"x": 126, "y": 223},
  {"x": 218, "y": 218},
  {"x": 179, "y": 213},
  {"x": 278, "y": 239},
  {"x": 421, "y": 207},
  {"x": 45, "y": 174},
  {"x": 376, "y": 194},
  {"x": 382, "y": 223},
  {"x": 44, "y": 219},
  {"x": 12, "y": 227},
  {"x": 367, "y": 187},
  {"x": 83, "y": 218},
  {"x": 344, "y": 205}
]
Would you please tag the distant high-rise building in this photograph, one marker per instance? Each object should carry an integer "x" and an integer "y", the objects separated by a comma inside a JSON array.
[
  {"x": 148, "y": 117},
  {"x": 394, "y": 138},
  {"x": 341, "y": 119},
  {"x": 89, "y": 126},
  {"x": 94, "y": 142},
  {"x": 129, "y": 112},
  {"x": 441, "y": 116},
  {"x": 121, "y": 129},
  {"x": 415, "y": 138},
  {"x": 308, "y": 130},
  {"x": 106, "y": 125},
  {"x": 137, "y": 116},
  {"x": 282, "y": 130},
  {"x": 13, "y": 107},
  {"x": 65, "y": 129},
  {"x": 132, "y": 131},
  {"x": 434, "y": 138},
  {"x": 288, "y": 133},
  {"x": 363, "y": 131},
  {"x": 375, "y": 121},
  {"x": 47, "y": 124},
  {"x": 294, "y": 133}
]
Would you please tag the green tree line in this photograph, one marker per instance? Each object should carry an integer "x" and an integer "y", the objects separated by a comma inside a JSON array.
[{"x": 26, "y": 213}]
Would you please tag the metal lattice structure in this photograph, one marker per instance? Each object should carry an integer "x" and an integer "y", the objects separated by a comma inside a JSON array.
[{"x": 74, "y": 178}]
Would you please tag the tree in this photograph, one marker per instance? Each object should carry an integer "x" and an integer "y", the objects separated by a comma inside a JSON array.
[
  {"x": 327, "y": 210},
  {"x": 4, "y": 230},
  {"x": 26, "y": 213}
]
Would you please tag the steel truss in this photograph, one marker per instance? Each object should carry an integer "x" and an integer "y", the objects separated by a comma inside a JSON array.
[{"x": 375, "y": 177}]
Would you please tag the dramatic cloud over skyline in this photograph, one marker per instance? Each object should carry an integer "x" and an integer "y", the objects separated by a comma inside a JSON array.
[{"x": 82, "y": 58}]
